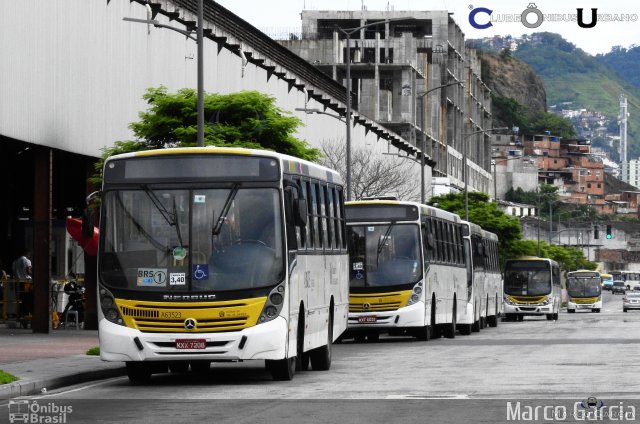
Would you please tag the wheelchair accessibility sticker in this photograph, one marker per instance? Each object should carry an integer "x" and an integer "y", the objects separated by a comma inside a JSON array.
[{"x": 200, "y": 271}]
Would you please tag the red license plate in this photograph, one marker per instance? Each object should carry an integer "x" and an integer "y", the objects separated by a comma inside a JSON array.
[
  {"x": 191, "y": 343},
  {"x": 367, "y": 319}
]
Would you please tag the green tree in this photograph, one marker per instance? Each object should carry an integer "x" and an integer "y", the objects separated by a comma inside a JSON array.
[
  {"x": 487, "y": 215},
  {"x": 509, "y": 232},
  {"x": 245, "y": 119},
  {"x": 556, "y": 125}
]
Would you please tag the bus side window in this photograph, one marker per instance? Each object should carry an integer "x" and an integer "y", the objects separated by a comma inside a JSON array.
[
  {"x": 342, "y": 234},
  {"x": 313, "y": 224},
  {"x": 322, "y": 216},
  {"x": 304, "y": 232},
  {"x": 293, "y": 233},
  {"x": 328, "y": 207}
]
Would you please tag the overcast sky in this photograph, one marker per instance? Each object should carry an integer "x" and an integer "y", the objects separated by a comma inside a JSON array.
[{"x": 286, "y": 14}]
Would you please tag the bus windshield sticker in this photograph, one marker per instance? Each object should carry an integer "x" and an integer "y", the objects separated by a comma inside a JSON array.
[
  {"x": 200, "y": 271},
  {"x": 358, "y": 266},
  {"x": 179, "y": 253},
  {"x": 370, "y": 229},
  {"x": 199, "y": 198},
  {"x": 177, "y": 279},
  {"x": 152, "y": 277}
]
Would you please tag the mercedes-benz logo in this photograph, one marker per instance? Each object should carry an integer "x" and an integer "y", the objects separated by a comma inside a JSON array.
[
  {"x": 189, "y": 323},
  {"x": 366, "y": 306}
]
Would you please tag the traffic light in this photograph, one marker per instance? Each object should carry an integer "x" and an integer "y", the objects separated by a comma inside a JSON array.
[
  {"x": 596, "y": 232},
  {"x": 609, "y": 235}
]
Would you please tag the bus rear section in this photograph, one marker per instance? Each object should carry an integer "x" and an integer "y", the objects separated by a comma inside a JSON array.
[
  {"x": 584, "y": 291},
  {"x": 199, "y": 262},
  {"x": 532, "y": 287}
]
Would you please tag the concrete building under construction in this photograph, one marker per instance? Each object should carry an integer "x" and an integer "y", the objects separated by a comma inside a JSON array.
[{"x": 412, "y": 73}]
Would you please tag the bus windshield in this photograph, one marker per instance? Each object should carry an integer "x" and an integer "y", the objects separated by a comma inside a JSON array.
[
  {"x": 527, "y": 278},
  {"x": 384, "y": 255},
  {"x": 583, "y": 286},
  {"x": 191, "y": 240}
]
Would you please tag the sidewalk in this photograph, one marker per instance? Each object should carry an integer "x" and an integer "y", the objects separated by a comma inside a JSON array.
[{"x": 48, "y": 361}]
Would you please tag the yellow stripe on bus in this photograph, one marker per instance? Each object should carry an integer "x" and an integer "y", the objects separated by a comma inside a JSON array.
[
  {"x": 375, "y": 302},
  {"x": 194, "y": 150},
  {"x": 169, "y": 317}
]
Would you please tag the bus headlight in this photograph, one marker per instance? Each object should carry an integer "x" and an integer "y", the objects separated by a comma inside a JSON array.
[
  {"x": 508, "y": 301},
  {"x": 109, "y": 307},
  {"x": 416, "y": 294},
  {"x": 273, "y": 305},
  {"x": 547, "y": 301}
]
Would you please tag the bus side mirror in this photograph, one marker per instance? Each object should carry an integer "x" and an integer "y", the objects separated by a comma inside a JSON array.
[
  {"x": 88, "y": 222},
  {"x": 300, "y": 212}
]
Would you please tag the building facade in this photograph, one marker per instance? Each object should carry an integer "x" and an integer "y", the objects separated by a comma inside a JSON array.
[{"x": 414, "y": 76}]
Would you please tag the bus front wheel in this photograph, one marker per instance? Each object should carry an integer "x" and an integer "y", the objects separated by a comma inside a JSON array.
[
  {"x": 138, "y": 372},
  {"x": 282, "y": 369}
]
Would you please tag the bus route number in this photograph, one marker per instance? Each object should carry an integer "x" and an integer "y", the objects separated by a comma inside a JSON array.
[{"x": 171, "y": 315}]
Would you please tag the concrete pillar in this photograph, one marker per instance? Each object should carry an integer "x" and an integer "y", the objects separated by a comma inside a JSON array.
[
  {"x": 42, "y": 202},
  {"x": 376, "y": 86}
]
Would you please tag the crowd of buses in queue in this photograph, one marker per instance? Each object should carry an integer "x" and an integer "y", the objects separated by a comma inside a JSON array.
[{"x": 223, "y": 254}]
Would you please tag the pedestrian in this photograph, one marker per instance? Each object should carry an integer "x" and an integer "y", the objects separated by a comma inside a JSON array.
[
  {"x": 21, "y": 267},
  {"x": 3, "y": 273}
]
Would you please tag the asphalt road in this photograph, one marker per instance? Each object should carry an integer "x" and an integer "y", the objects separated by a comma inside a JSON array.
[{"x": 394, "y": 380}]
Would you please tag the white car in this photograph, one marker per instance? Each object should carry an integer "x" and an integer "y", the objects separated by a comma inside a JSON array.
[{"x": 631, "y": 300}]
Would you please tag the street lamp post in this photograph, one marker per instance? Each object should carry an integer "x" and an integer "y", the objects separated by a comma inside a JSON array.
[
  {"x": 423, "y": 134},
  {"x": 199, "y": 41},
  {"x": 464, "y": 165},
  {"x": 348, "y": 32}
]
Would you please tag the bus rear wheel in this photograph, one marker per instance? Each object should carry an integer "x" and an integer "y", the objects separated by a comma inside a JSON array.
[
  {"x": 321, "y": 356},
  {"x": 449, "y": 329},
  {"x": 571, "y": 311},
  {"x": 549, "y": 317},
  {"x": 520, "y": 317}
]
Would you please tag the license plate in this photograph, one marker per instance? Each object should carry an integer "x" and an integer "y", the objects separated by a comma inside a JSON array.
[
  {"x": 191, "y": 344},
  {"x": 367, "y": 319}
]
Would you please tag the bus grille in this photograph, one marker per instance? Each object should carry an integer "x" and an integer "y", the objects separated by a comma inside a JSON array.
[
  {"x": 169, "y": 317},
  {"x": 584, "y": 300},
  {"x": 378, "y": 302},
  {"x": 528, "y": 300}
]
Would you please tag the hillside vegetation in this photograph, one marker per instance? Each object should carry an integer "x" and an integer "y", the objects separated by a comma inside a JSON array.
[{"x": 571, "y": 75}]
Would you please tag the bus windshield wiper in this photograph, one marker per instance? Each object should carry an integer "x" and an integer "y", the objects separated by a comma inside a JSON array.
[
  {"x": 168, "y": 216},
  {"x": 225, "y": 210},
  {"x": 384, "y": 238}
]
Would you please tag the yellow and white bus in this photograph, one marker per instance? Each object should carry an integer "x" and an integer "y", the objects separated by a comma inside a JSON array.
[
  {"x": 584, "y": 290},
  {"x": 484, "y": 280},
  {"x": 532, "y": 286},
  {"x": 220, "y": 254},
  {"x": 407, "y": 270}
]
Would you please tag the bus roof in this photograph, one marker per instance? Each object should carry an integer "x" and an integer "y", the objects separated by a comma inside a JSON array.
[
  {"x": 478, "y": 230},
  {"x": 424, "y": 209},
  {"x": 290, "y": 164},
  {"x": 533, "y": 258}
]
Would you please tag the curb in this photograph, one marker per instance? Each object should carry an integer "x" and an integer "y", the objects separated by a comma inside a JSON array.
[{"x": 29, "y": 387}]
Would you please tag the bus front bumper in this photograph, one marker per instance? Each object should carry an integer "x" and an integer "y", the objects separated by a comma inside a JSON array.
[
  {"x": 409, "y": 316},
  {"x": 263, "y": 341},
  {"x": 583, "y": 306},
  {"x": 528, "y": 309}
]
